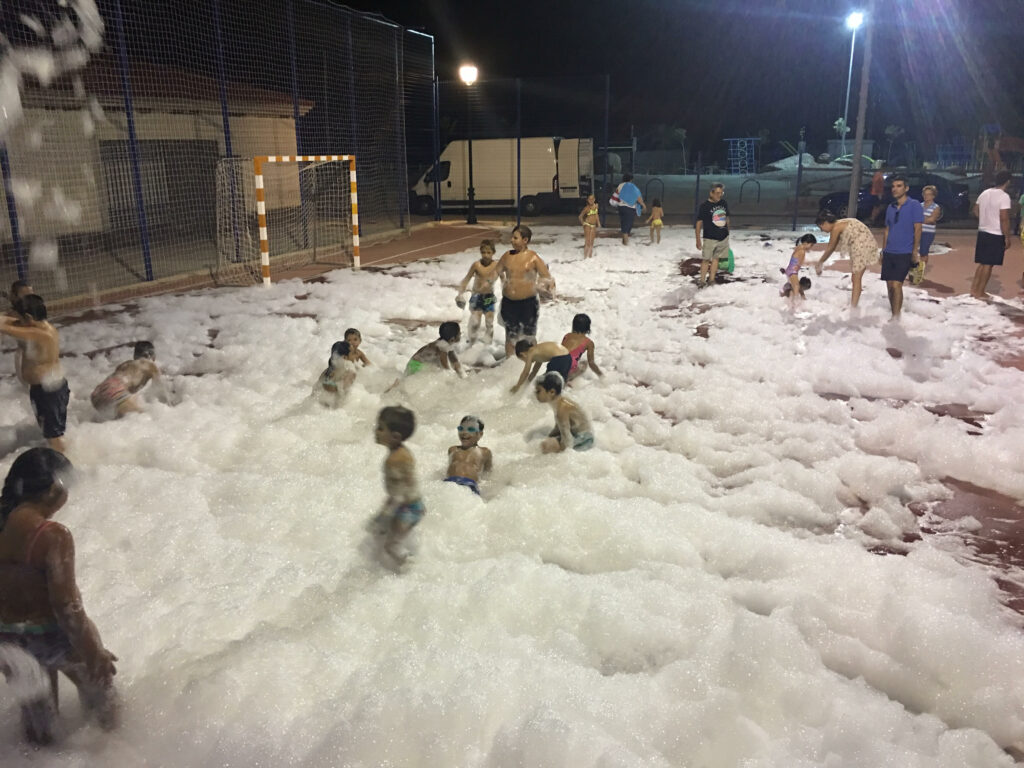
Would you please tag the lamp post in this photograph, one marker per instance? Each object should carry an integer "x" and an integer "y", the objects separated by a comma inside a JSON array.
[
  {"x": 853, "y": 22},
  {"x": 468, "y": 73}
]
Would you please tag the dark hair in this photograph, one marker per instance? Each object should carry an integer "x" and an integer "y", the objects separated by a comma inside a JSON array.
[
  {"x": 31, "y": 475},
  {"x": 1001, "y": 178},
  {"x": 825, "y": 217},
  {"x": 144, "y": 349},
  {"x": 523, "y": 230},
  {"x": 33, "y": 306},
  {"x": 898, "y": 177},
  {"x": 16, "y": 286},
  {"x": 552, "y": 381},
  {"x": 716, "y": 185},
  {"x": 476, "y": 419},
  {"x": 581, "y": 323},
  {"x": 626, "y": 177},
  {"x": 522, "y": 345},
  {"x": 338, "y": 349},
  {"x": 487, "y": 242},
  {"x": 656, "y": 202},
  {"x": 449, "y": 331},
  {"x": 807, "y": 239},
  {"x": 350, "y": 331},
  {"x": 398, "y": 419},
  {"x": 805, "y": 283}
]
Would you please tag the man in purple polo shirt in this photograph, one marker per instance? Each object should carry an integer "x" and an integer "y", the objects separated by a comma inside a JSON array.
[{"x": 901, "y": 241}]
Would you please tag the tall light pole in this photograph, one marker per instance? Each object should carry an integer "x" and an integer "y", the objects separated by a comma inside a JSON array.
[
  {"x": 853, "y": 22},
  {"x": 468, "y": 73}
]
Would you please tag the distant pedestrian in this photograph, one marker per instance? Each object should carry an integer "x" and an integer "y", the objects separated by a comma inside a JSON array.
[
  {"x": 901, "y": 242},
  {"x": 932, "y": 214},
  {"x": 854, "y": 240},
  {"x": 993, "y": 212},
  {"x": 630, "y": 204},
  {"x": 713, "y": 224}
]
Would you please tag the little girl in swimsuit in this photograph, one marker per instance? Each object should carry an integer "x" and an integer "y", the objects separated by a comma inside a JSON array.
[
  {"x": 655, "y": 220},
  {"x": 795, "y": 286},
  {"x": 590, "y": 220},
  {"x": 577, "y": 343},
  {"x": 334, "y": 383}
]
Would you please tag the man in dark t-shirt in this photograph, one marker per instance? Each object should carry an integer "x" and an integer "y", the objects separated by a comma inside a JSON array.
[{"x": 713, "y": 223}]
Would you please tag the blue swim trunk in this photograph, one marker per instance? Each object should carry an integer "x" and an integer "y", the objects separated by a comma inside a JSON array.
[
  {"x": 464, "y": 481},
  {"x": 410, "y": 513},
  {"x": 582, "y": 441},
  {"x": 482, "y": 302}
]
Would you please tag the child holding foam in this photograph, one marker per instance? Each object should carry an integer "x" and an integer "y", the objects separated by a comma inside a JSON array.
[
  {"x": 551, "y": 352},
  {"x": 572, "y": 426},
  {"x": 440, "y": 352},
  {"x": 468, "y": 460},
  {"x": 484, "y": 274}
]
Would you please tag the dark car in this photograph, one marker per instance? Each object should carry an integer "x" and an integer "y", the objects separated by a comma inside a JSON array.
[{"x": 951, "y": 196}]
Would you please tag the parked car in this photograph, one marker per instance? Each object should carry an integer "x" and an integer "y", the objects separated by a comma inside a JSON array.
[{"x": 951, "y": 196}]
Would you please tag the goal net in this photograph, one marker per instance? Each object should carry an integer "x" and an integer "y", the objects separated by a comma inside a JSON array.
[{"x": 281, "y": 212}]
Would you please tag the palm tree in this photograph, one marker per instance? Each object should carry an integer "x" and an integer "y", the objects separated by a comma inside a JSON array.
[{"x": 892, "y": 132}]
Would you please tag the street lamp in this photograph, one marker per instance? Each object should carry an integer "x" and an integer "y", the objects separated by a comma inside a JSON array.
[
  {"x": 468, "y": 73},
  {"x": 853, "y": 22}
]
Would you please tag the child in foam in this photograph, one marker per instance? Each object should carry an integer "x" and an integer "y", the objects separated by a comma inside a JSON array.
[
  {"x": 403, "y": 508},
  {"x": 482, "y": 302},
  {"x": 590, "y": 219},
  {"x": 333, "y": 385},
  {"x": 577, "y": 343},
  {"x": 354, "y": 338},
  {"x": 554, "y": 354},
  {"x": 794, "y": 286},
  {"x": 572, "y": 426},
  {"x": 117, "y": 394},
  {"x": 440, "y": 352},
  {"x": 468, "y": 460},
  {"x": 655, "y": 220}
]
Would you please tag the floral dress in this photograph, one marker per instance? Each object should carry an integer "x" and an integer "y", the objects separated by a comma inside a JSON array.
[{"x": 858, "y": 245}]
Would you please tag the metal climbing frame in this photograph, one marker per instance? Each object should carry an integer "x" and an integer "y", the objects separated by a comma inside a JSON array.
[{"x": 742, "y": 157}]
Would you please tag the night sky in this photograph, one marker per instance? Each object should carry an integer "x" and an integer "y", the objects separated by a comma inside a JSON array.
[{"x": 720, "y": 68}]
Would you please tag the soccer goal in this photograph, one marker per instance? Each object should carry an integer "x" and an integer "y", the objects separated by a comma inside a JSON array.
[{"x": 285, "y": 210}]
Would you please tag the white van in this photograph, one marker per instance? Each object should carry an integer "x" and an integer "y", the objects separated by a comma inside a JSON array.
[{"x": 494, "y": 174}]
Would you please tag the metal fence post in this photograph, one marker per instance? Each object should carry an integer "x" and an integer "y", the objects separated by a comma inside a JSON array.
[
  {"x": 696, "y": 190},
  {"x": 222, "y": 83},
  {"x": 133, "y": 140},
  {"x": 607, "y": 108},
  {"x": 800, "y": 147},
  {"x": 519, "y": 151},
  {"x": 403, "y": 183},
  {"x": 295, "y": 119},
  {"x": 12, "y": 213},
  {"x": 437, "y": 148}
]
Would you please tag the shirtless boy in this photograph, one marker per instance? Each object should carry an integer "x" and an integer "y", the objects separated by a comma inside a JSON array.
[
  {"x": 468, "y": 460},
  {"x": 483, "y": 273},
  {"x": 116, "y": 394},
  {"x": 551, "y": 352},
  {"x": 403, "y": 508},
  {"x": 19, "y": 290},
  {"x": 522, "y": 271},
  {"x": 41, "y": 370},
  {"x": 572, "y": 426}
]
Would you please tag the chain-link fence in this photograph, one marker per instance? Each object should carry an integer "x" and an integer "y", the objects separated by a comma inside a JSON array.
[{"x": 131, "y": 159}]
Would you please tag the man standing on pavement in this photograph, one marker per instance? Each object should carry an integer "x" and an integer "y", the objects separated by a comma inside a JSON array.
[
  {"x": 713, "y": 223},
  {"x": 993, "y": 212},
  {"x": 901, "y": 241}
]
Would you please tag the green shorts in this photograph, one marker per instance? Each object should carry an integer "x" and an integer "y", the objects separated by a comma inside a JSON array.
[{"x": 414, "y": 366}]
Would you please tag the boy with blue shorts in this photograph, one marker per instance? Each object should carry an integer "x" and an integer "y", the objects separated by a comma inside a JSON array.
[
  {"x": 483, "y": 273},
  {"x": 403, "y": 508},
  {"x": 468, "y": 460}
]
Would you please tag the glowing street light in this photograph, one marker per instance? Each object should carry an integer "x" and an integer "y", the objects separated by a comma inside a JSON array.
[
  {"x": 853, "y": 22},
  {"x": 467, "y": 74}
]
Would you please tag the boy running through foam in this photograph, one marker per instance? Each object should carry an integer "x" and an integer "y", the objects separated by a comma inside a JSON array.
[
  {"x": 403, "y": 508},
  {"x": 468, "y": 460},
  {"x": 116, "y": 394},
  {"x": 483, "y": 273},
  {"x": 41, "y": 370},
  {"x": 522, "y": 271}
]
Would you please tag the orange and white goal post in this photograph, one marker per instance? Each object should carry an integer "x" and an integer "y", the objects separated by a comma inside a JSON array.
[{"x": 261, "y": 201}]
